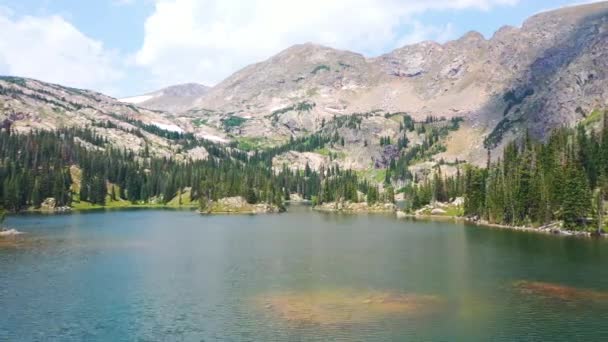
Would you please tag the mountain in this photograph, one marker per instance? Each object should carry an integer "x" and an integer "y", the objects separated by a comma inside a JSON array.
[
  {"x": 549, "y": 72},
  {"x": 171, "y": 99},
  {"x": 27, "y": 104},
  {"x": 419, "y": 106}
]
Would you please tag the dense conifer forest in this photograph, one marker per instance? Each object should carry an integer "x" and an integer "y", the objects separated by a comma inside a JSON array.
[
  {"x": 564, "y": 178},
  {"x": 40, "y": 165},
  {"x": 533, "y": 183}
]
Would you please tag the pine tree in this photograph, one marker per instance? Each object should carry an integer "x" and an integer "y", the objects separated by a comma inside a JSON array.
[
  {"x": 36, "y": 195},
  {"x": 576, "y": 202},
  {"x": 251, "y": 196}
]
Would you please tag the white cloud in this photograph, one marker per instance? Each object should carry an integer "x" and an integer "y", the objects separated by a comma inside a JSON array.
[
  {"x": 570, "y": 4},
  {"x": 421, "y": 32},
  {"x": 51, "y": 49},
  {"x": 206, "y": 40},
  {"x": 123, "y": 2}
]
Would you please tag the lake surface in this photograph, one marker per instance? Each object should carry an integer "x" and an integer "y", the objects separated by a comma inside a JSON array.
[{"x": 149, "y": 275}]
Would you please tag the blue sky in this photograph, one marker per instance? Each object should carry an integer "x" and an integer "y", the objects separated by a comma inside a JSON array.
[{"x": 128, "y": 47}]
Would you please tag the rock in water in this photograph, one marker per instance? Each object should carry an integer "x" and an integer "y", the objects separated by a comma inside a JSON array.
[{"x": 10, "y": 232}]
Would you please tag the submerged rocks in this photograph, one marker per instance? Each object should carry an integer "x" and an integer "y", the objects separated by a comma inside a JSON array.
[
  {"x": 346, "y": 306},
  {"x": 558, "y": 291}
]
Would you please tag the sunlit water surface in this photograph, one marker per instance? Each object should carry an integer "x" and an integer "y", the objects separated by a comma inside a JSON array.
[{"x": 300, "y": 276}]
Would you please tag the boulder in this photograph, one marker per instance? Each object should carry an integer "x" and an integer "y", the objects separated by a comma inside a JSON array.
[
  {"x": 10, "y": 232},
  {"x": 438, "y": 211},
  {"x": 49, "y": 204},
  {"x": 458, "y": 201}
]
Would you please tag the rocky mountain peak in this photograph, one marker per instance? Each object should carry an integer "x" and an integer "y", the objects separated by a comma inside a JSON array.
[
  {"x": 185, "y": 90},
  {"x": 505, "y": 81},
  {"x": 547, "y": 73},
  {"x": 175, "y": 98}
]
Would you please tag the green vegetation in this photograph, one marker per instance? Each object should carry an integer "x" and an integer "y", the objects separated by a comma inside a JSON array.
[
  {"x": 439, "y": 188},
  {"x": 320, "y": 68},
  {"x": 535, "y": 183},
  {"x": 515, "y": 97},
  {"x": 329, "y": 153},
  {"x": 512, "y": 98},
  {"x": 198, "y": 122},
  {"x": 373, "y": 175},
  {"x": 385, "y": 141},
  {"x": 133, "y": 108},
  {"x": 594, "y": 117},
  {"x": 35, "y": 166},
  {"x": 495, "y": 137},
  {"x": 254, "y": 144},
  {"x": 233, "y": 121},
  {"x": 435, "y": 131},
  {"x": 39, "y": 165},
  {"x": 15, "y": 80},
  {"x": 349, "y": 121},
  {"x": 304, "y": 106},
  {"x": 40, "y": 95}
]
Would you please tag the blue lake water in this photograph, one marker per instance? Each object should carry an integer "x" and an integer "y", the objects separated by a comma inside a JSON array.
[{"x": 153, "y": 275}]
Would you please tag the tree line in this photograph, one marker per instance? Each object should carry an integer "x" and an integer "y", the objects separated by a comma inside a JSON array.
[
  {"x": 40, "y": 164},
  {"x": 537, "y": 183}
]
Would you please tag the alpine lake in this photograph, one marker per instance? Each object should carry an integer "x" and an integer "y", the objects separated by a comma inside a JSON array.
[{"x": 175, "y": 275}]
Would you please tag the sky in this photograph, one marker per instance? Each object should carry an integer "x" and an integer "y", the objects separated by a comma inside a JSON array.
[{"x": 130, "y": 47}]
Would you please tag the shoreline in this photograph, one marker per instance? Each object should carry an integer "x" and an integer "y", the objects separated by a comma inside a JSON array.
[
  {"x": 549, "y": 229},
  {"x": 94, "y": 208},
  {"x": 345, "y": 211},
  {"x": 356, "y": 208}
]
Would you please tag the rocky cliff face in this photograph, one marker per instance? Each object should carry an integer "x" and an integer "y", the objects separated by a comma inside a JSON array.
[{"x": 549, "y": 72}]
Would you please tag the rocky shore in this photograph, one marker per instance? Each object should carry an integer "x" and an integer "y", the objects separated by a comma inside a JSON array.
[
  {"x": 362, "y": 207},
  {"x": 238, "y": 205},
  {"x": 555, "y": 228}
]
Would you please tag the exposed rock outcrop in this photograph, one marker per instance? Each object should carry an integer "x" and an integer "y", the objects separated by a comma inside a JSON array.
[
  {"x": 238, "y": 205},
  {"x": 362, "y": 207}
]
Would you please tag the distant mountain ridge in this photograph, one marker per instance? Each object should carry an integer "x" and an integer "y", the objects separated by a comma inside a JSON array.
[
  {"x": 552, "y": 71},
  {"x": 175, "y": 98}
]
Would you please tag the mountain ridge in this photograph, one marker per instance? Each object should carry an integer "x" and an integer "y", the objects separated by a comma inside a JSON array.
[
  {"x": 470, "y": 76},
  {"x": 173, "y": 98},
  {"x": 547, "y": 73}
]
